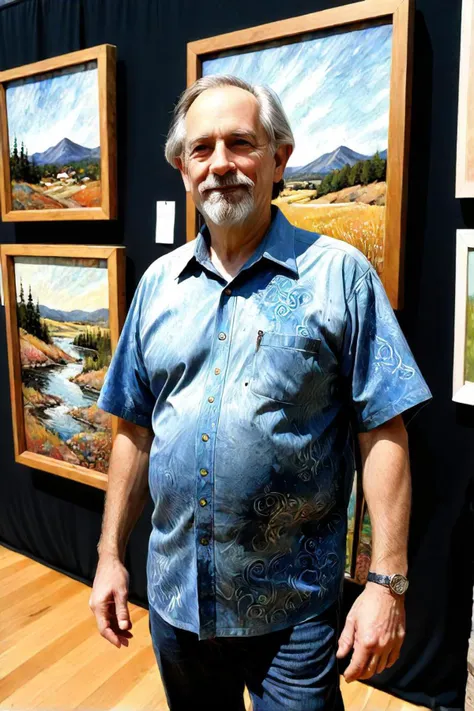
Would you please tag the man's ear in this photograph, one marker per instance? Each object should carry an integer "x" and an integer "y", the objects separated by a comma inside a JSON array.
[
  {"x": 282, "y": 156},
  {"x": 182, "y": 169}
]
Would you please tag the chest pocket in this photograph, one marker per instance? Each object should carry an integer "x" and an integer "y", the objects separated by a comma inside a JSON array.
[{"x": 286, "y": 368}]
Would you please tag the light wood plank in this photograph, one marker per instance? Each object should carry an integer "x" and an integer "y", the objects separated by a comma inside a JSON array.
[
  {"x": 148, "y": 694},
  {"x": 14, "y": 567},
  {"x": 29, "y": 589},
  {"x": 122, "y": 682},
  {"x": 73, "y": 669},
  {"x": 42, "y": 632},
  {"x": 19, "y": 616},
  {"x": 33, "y": 573}
]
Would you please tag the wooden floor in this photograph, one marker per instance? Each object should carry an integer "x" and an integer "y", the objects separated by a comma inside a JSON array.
[{"x": 52, "y": 657}]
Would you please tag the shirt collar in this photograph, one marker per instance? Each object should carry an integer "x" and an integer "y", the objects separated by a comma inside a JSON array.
[{"x": 278, "y": 245}]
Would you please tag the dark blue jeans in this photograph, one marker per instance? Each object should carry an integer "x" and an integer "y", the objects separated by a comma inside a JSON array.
[{"x": 293, "y": 669}]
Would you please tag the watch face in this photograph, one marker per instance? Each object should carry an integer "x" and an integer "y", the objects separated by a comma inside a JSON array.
[{"x": 399, "y": 584}]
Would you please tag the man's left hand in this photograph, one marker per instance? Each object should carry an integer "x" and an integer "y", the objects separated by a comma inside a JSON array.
[{"x": 375, "y": 628}]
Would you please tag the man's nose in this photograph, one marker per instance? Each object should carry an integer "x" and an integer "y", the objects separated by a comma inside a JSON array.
[{"x": 221, "y": 162}]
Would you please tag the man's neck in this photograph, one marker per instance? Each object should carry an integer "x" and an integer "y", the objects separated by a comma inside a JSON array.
[{"x": 232, "y": 246}]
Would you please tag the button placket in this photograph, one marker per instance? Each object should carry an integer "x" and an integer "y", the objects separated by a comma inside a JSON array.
[{"x": 208, "y": 420}]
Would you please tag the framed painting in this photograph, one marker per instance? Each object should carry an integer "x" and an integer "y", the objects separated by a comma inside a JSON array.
[
  {"x": 344, "y": 78},
  {"x": 465, "y": 141},
  {"x": 463, "y": 370},
  {"x": 58, "y": 138},
  {"x": 359, "y": 536},
  {"x": 64, "y": 308}
]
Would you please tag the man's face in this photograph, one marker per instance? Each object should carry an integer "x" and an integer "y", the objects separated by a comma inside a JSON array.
[{"x": 228, "y": 166}]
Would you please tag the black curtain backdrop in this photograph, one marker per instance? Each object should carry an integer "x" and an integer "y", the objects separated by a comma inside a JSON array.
[{"x": 57, "y": 521}]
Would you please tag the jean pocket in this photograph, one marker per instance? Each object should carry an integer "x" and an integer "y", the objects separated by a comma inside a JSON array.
[{"x": 286, "y": 368}]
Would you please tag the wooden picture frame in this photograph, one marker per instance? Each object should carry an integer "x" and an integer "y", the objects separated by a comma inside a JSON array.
[
  {"x": 463, "y": 366},
  {"x": 40, "y": 192},
  {"x": 398, "y": 13},
  {"x": 35, "y": 407},
  {"x": 465, "y": 137}
]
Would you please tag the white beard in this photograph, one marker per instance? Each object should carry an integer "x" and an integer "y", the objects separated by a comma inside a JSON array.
[{"x": 227, "y": 209}]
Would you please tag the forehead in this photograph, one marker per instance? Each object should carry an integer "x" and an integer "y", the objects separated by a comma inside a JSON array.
[{"x": 222, "y": 110}]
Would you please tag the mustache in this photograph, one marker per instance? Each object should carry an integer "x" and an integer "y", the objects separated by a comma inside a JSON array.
[{"x": 226, "y": 181}]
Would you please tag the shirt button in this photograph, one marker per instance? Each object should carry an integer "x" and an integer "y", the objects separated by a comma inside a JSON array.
[
  {"x": 204, "y": 541},
  {"x": 203, "y": 502},
  {"x": 210, "y": 399},
  {"x": 217, "y": 371},
  {"x": 203, "y": 472},
  {"x": 205, "y": 437},
  {"x": 228, "y": 292},
  {"x": 222, "y": 336}
]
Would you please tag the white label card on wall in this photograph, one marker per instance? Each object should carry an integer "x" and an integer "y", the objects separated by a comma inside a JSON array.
[{"x": 165, "y": 212}]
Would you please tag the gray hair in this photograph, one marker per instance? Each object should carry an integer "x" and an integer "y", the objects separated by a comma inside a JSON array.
[{"x": 272, "y": 113}]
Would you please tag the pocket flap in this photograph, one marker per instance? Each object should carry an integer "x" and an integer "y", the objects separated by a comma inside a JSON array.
[{"x": 282, "y": 340}]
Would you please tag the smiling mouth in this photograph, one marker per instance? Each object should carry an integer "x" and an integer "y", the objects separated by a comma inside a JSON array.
[{"x": 225, "y": 188}]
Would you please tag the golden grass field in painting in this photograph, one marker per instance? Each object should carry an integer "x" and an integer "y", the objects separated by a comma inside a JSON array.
[
  {"x": 469, "y": 360},
  {"x": 362, "y": 226},
  {"x": 70, "y": 329}
]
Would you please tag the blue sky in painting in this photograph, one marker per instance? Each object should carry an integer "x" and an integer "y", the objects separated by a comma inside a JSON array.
[
  {"x": 335, "y": 89},
  {"x": 41, "y": 112},
  {"x": 63, "y": 285},
  {"x": 470, "y": 273}
]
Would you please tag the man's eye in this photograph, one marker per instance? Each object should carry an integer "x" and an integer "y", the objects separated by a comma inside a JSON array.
[
  {"x": 242, "y": 142},
  {"x": 199, "y": 149}
]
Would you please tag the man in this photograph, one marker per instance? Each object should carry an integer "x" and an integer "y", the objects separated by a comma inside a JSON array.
[{"x": 249, "y": 357}]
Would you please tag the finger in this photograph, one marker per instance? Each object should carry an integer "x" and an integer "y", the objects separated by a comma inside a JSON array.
[
  {"x": 121, "y": 611},
  {"x": 346, "y": 640},
  {"x": 382, "y": 665},
  {"x": 105, "y": 615},
  {"x": 371, "y": 667},
  {"x": 358, "y": 663},
  {"x": 105, "y": 629},
  {"x": 393, "y": 657}
]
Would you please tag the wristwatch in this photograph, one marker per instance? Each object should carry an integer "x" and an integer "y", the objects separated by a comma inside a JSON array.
[{"x": 397, "y": 583}]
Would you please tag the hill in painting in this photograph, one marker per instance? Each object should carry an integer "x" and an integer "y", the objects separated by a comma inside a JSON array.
[
  {"x": 65, "y": 152},
  {"x": 97, "y": 316},
  {"x": 327, "y": 163}
]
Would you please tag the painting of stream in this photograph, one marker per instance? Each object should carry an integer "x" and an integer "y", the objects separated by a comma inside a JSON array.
[{"x": 65, "y": 350}]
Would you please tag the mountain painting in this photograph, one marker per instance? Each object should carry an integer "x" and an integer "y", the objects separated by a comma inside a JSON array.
[
  {"x": 335, "y": 90},
  {"x": 54, "y": 137},
  {"x": 469, "y": 358},
  {"x": 65, "y": 350}
]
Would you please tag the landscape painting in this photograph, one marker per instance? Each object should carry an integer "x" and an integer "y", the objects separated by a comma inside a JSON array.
[
  {"x": 469, "y": 350},
  {"x": 463, "y": 362},
  {"x": 364, "y": 549},
  {"x": 465, "y": 139},
  {"x": 54, "y": 139},
  {"x": 335, "y": 89},
  {"x": 351, "y": 528},
  {"x": 62, "y": 309}
]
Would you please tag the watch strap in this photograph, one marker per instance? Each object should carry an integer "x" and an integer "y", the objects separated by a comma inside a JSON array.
[{"x": 380, "y": 579}]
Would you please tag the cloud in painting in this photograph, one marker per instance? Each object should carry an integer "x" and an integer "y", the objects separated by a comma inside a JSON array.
[
  {"x": 43, "y": 111},
  {"x": 65, "y": 286},
  {"x": 335, "y": 89}
]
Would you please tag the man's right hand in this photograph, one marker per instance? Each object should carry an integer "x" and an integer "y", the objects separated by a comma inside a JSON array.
[{"x": 108, "y": 601}]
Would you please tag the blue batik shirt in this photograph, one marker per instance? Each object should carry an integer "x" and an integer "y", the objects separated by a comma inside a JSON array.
[{"x": 253, "y": 389}]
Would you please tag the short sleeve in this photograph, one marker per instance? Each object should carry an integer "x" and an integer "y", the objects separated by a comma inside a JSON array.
[
  {"x": 383, "y": 378},
  {"x": 126, "y": 390}
]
